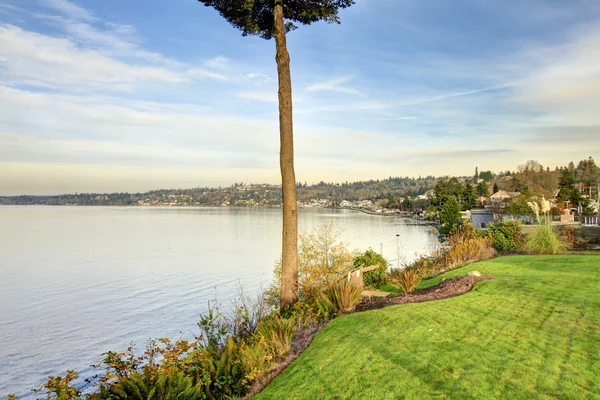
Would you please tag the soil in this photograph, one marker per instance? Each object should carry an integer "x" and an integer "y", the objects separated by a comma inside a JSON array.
[{"x": 445, "y": 289}]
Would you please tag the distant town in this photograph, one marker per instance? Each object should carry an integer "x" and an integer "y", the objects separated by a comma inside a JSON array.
[{"x": 573, "y": 188}]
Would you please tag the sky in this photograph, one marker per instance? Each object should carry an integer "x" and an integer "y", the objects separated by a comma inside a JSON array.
[{"x": 113, "y": 95}]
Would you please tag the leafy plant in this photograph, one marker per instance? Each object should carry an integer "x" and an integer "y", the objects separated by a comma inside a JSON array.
[
  {"x": 407, "y": 279},
  {"x": 376, "y": 277},
  {"x": 154, "y": 386},
  {"x": 544, "y": 238},
  {"x": 60, "y": 387},
  {"x": 506, "y": 235},
  {"x": 277, "y": 334},
  {"x": 339, "y": 298}
]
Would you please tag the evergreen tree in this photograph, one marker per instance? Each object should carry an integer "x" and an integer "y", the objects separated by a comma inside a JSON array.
[
  {"x": 450, "y": 216},
  {"x": 273, "y": 19},
  {"x": 469, "y": 198},
  {"x": 482, "y": 189}
]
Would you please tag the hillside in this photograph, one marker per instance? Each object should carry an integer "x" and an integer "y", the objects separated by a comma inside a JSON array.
[{"x": 532, "y": 332}]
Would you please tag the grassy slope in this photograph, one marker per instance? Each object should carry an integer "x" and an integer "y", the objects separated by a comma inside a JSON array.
[{"x": 531, "y": 333}]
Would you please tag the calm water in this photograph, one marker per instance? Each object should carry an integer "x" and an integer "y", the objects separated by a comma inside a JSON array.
[{"x": 77, "y": 282}]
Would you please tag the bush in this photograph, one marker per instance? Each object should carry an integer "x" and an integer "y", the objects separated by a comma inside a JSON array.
[
  {"x": 466, "y": 251},
  {"x": 407, "y": 279},
  {"x": 506, "y": 236},
  {"x": 465, "y": 245},
  {"x": 376, "y": 277},
  {"x": 322, "y": 260},
  {"x": 277, "y": 334},
  {"x": 544, "y": 240},
  {"x": 339, "y": 298},
  {"x": 154, "y": 386}
]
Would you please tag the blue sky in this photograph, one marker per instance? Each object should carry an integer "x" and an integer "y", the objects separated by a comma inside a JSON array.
[{"x": 135, "y": 95}]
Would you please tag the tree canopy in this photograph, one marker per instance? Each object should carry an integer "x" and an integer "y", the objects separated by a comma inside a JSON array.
[{"x": 256, "y": 17}]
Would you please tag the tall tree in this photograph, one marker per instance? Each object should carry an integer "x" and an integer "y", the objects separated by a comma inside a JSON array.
[
  {"x": 482, "y": 189},
  {"x": 273, "y": 19},
  {"x": 469, "y": 197}
]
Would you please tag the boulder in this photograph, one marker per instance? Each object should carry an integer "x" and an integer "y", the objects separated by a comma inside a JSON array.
[{"x": 474, "y": 273}]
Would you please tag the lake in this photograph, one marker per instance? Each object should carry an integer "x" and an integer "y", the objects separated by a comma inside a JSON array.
[{"x": 76, "y": 282}]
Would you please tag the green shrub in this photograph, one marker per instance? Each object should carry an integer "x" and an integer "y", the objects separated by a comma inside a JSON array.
[
  {"x": 376, "y": 277},
  {"x": 154, "y": 386},
  {"x": 339, "y": 298},
  {"x": 506, "y": 236},
  {"x": 544, "y": 240},
  {"x": 407, "y": 279},
  {"x": 277, "y": 334},
  {"x": 303, "y": 312}
]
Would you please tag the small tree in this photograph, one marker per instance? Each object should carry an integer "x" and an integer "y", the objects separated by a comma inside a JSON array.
[
  {"x": 273, "y": 19},
  {"x": 496, "y": 188},
  {"x": 323, "y": 259},
  {"x": 450, "y": 216}
]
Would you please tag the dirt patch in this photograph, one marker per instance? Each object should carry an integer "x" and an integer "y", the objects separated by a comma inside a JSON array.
[{"x": 445, "y": 289}]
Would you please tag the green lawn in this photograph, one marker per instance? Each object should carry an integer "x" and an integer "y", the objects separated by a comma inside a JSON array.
[{"x": 531, "y": 333}]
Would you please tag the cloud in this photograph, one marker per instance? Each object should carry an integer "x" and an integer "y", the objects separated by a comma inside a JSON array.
[
  {"x": 564, "y": 88},
  {"x": 334, "y": 85},
  {"x": 218, "y": 62},
  {"x": 69, "y": 9},
  {"x": 66, "y": 65},
  {"x": 270, "y": 97}
]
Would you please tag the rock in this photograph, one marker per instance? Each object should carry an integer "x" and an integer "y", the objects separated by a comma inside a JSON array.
[
  {"x": 474, "y": 273},
  {"x": 593, "y": 247}
]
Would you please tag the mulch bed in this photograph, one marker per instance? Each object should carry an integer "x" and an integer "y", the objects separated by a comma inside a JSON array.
[{"x": 445, "y": 289}]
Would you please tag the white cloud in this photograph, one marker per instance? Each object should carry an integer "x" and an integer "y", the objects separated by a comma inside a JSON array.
[
  {"x": 334, "y": 85},
  {"x": 218, "y": 62},
  {"x": 41, "y": 60},
  {"x": 69, "y": 9},
  {"x": 564, "y": 88},
  {"x": 270, "y": 97}
]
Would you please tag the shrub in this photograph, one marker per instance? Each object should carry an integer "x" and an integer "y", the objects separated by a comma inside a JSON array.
[
  {"x": 466, "y": 251},
  {"x": 277, "y": 334},
  {"x": 506, "y": 235},
  {"x": 322, "y": 260},
  {"x": 465, "y": 245},
  {"x": 544, "y": 238},
  {"x": 407, "y": 279},
  {"x": 376, "y": 277},
  {"x": 154, "y": 386},
  {"x": 303, "y": 312},
  {"x": 339, "y": 298}
]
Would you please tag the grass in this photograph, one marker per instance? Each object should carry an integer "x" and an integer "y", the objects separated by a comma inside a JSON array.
[{"x": 531, "y": 333}]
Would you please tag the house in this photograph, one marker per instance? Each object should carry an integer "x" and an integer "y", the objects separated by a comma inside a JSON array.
[
  {"x": 481, "y": 218},
  {"x": 502, "y": 196}
]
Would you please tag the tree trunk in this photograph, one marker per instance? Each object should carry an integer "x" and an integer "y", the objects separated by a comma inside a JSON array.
[{"x": 289, "y": 254}]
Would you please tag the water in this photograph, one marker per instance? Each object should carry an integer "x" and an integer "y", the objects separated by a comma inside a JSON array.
[{"x": 76, "y": 282}]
